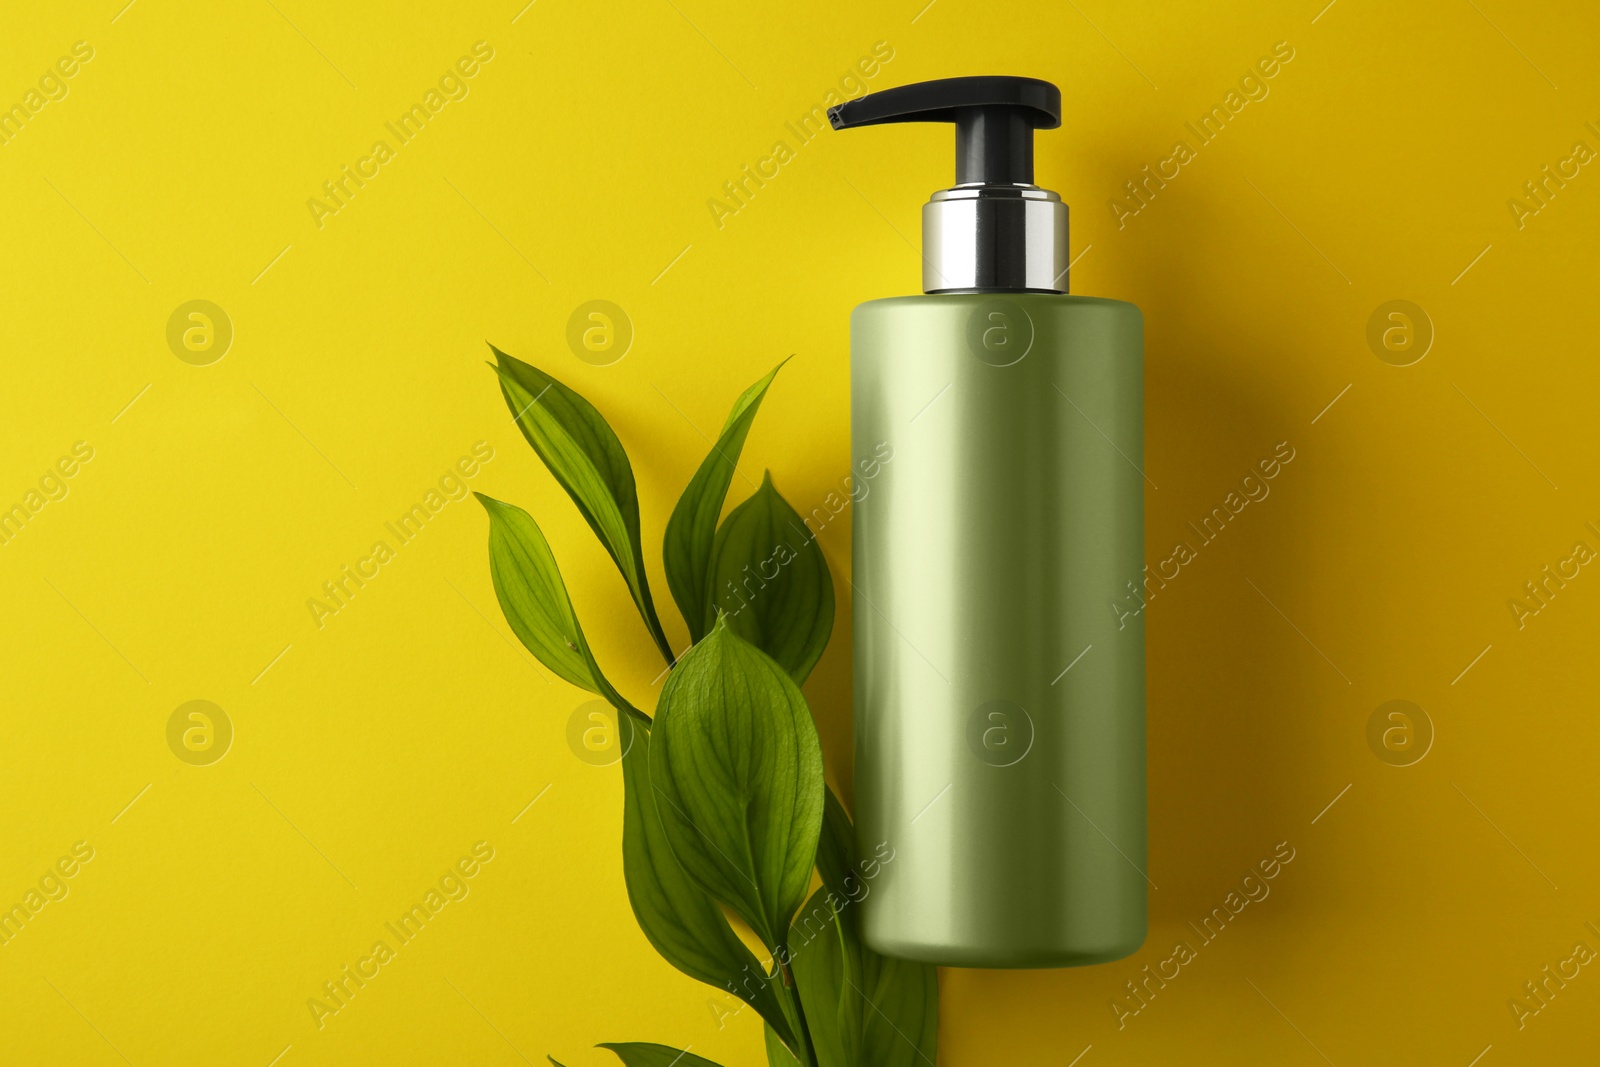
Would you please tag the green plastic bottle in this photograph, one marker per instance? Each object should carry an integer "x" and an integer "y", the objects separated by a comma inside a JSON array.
[{"x": 998, "y": 569}]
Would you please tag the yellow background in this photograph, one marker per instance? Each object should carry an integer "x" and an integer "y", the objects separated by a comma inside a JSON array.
[{"x": 372, "y": 753}]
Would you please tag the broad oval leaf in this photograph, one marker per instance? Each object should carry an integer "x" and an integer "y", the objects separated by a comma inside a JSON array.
[
  {"x": 771, "y": 582},
  {"x": 641, "y": 1054},
  {"x": 691, "y": 531},
  {"x": 737, "y": 766},
  {"x": 676, "y": 915},
  {"x": 588, "y": 461},
  {"x": 534, "y": 599}
]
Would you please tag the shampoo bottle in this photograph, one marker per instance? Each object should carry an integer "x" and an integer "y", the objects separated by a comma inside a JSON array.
[{"x": 998, "y": 568}]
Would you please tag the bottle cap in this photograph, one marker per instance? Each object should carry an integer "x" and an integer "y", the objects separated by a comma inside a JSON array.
[{"x": 994, "y": 230}]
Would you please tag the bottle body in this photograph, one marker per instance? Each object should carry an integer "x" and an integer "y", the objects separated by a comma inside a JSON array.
[{"x": 999, "y": 671}]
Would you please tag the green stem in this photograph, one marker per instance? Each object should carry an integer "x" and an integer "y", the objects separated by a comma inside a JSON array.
[
  {"x": 652, "y": 622},
  {"x": 807, "y": 1053}
]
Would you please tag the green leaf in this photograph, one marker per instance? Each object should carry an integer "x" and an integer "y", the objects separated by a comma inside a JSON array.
[
  {"x": 588, "y": 461},
  {"x": 533, "y": 597},
  {"x": 778, "y": 1054},
  {"x": 640, "y": 1054},
  {"x": 836, "y": 849},
  {"x": 899, "y": 1006},
  {"x": 772, "y": 582},
  {"x": 822, "y": 959},
  {"x": 677, "y": 916},
  {"x": 863, "y": 1009},
  {"x": 736, "y": 762},
  {"x": 693, "y": 526}
]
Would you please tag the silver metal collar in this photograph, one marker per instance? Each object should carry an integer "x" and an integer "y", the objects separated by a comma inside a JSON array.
[{"x": 994, "y": 238}]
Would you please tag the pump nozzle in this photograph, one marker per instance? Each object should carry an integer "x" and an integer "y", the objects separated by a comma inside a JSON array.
[
  {"x": 995, "y": 119},
  {"x": 996, "y": 230}
]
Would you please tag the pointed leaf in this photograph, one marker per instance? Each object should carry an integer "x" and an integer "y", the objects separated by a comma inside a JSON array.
[
  {"x": 900, "y": 1025},
  {"x": 693, "y": 526},
  {"x": 534, "y": 599},
  {"x": 843, "y": 881},
  {"x": 738, "y": 767},
  {"x": 583, "y": 453},
  {"x": 863, "y": 1009},
  {"x": 778, "y": 1054},
  {"x": 836, "y": 850},
  {"x": 772, "y": 582},
  {"x": 818, "y": 956},
  {"x": 677, "y": 916},
  {"x": 640, "y": 1054}
]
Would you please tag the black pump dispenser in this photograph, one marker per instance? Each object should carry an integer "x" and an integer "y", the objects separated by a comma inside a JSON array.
[
  {"x": 995, "y": 118},
  {"x": 994, "y": 231}
]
